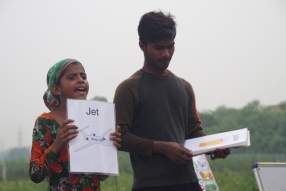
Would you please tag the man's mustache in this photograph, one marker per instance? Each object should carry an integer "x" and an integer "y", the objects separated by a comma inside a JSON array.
[{"x": 164, "y": 59}]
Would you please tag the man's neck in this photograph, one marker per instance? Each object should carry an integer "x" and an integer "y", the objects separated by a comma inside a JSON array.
[{"x": 159, "y": 73}]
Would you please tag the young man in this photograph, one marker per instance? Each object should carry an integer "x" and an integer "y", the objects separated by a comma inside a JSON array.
[{"x": 156, "y": 111}]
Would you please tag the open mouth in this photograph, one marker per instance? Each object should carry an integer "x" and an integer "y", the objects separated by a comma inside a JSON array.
[{"x": 80, "y": 89}]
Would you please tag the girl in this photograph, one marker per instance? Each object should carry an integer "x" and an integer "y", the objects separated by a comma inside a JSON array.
[{"x": 52, "y": 131}]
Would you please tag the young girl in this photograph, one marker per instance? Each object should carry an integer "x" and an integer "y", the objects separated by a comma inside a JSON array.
[{"x": 52, "y": 131}]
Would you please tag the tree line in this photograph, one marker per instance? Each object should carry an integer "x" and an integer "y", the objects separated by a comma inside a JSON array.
[{"x": 267, "y": 125}]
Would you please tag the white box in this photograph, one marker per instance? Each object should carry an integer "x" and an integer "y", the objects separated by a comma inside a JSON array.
[{"x": 205, "y": 144}]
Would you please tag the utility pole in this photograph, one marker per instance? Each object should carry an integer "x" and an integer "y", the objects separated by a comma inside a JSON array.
[
  {"x": 4, "y": 170},
  {"x": 20, "y": 137}
]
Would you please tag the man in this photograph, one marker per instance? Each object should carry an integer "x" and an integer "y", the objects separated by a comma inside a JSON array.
[{"x": 156, "y": 111}]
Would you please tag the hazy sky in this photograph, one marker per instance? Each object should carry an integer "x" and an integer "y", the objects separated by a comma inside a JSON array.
[{"x": 232, "y": 52}]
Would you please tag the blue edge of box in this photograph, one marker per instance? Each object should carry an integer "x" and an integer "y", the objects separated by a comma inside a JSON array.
[{"x": 255, "y": 165}]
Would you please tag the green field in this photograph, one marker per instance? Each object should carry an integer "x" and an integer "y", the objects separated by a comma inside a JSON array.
[
  {"x": 124, "y": 183},
  {"x": 227, "y": 181},
  {"x": 231, "y": 174}
]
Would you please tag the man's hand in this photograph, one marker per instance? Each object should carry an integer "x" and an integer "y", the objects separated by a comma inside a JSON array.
[
  {"x": 116, "y": 137},
  {"x": 175, "y": 151},
  {"x": 220, "y": 153}
]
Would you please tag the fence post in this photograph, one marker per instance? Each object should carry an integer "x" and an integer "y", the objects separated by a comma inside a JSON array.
[{"x": 4, "y": 172}]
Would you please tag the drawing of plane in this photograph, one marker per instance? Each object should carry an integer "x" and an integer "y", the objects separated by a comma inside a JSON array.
[{"x": 93, "y": 139}]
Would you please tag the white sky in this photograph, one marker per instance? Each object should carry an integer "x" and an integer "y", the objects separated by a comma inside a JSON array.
[{"x": 232, "y": 52}]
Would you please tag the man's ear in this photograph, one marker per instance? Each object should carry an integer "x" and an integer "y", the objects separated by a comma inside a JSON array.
[
  {"x": 142, "y": 46},
  {"x": 56, "y": 89}
]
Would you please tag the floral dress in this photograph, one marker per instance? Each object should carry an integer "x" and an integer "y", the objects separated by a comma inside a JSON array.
[{"x": 45, "y": 164}]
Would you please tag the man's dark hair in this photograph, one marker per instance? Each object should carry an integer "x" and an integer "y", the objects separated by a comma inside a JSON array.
[{"x": 156, "y": 26}]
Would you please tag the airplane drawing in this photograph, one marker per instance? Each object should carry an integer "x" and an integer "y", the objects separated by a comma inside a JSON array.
[{"x": 93, "y": 139}]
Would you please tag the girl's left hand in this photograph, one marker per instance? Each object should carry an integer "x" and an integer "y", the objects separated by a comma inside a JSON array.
[{"x": 116, "y": 137}]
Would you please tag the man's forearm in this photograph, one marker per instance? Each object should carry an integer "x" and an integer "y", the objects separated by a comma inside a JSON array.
[
  {"x": 136, "y": 145},
  {"x": 159, "y": 147}
]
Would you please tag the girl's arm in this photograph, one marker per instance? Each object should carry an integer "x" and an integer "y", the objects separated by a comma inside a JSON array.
[
  {"x": 41, "y": 153},
  {"x": 65, "y": 134},
  {"x": 46, "y": 155}
]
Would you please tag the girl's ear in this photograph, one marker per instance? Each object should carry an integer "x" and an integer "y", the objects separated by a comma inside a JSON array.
[{"x": 56, "y": 89}]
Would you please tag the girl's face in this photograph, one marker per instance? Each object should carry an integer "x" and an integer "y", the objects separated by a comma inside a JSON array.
[{"x": 73, "y": 83}]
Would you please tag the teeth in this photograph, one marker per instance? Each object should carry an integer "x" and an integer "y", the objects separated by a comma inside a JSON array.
[{"x": 81, "y": 89}]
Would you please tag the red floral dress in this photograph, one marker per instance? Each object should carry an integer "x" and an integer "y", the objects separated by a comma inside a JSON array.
[{"x": 45, "y": 164}]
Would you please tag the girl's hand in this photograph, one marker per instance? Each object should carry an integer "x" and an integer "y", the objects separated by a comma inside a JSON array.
[
  {"x": 65, "y": 134},
  {"x": 116, "y": 137}
]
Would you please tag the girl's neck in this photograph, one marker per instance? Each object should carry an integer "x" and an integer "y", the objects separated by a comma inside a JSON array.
[
  {"x": 59, "y": 114},
  {"x": 60, "y": 111}
]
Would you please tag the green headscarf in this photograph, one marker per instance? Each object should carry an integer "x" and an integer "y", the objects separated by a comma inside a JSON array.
[{"x": 54, "y": 74}]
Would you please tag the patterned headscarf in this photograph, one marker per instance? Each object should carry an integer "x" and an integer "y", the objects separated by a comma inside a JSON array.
[{"x": 54, "y": 74}]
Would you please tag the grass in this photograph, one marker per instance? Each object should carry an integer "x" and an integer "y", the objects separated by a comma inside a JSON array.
[
  {"x": 21, "y": 185},
  {"x": 231, "y": 174},
  {"x": 118, "y": 183},
  {"x": 227, "y": 181},
  {"x": 124, "y": 182}
]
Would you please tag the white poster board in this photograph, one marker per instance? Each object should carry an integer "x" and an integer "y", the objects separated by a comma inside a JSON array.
[
  {"x": 270, "y": 176},
  {"x": 204, "y": 173},
  {"x": 205, "y": 144},
  {"x": 92, "y": 151}
]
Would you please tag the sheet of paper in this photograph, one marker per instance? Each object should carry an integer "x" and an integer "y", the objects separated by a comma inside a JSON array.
[
  {"x": 201, "y": 145},
  {"x": 92, "y": 151},
  {"x": 204, "y": 173}
]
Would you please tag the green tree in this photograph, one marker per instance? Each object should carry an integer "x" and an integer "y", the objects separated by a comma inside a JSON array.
[
  {"x": 267, "y": 125},
  {"x": 100, "y": 98},
  {"x": 20, "y": 153},
  {"x": 282, "y": 105}
]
